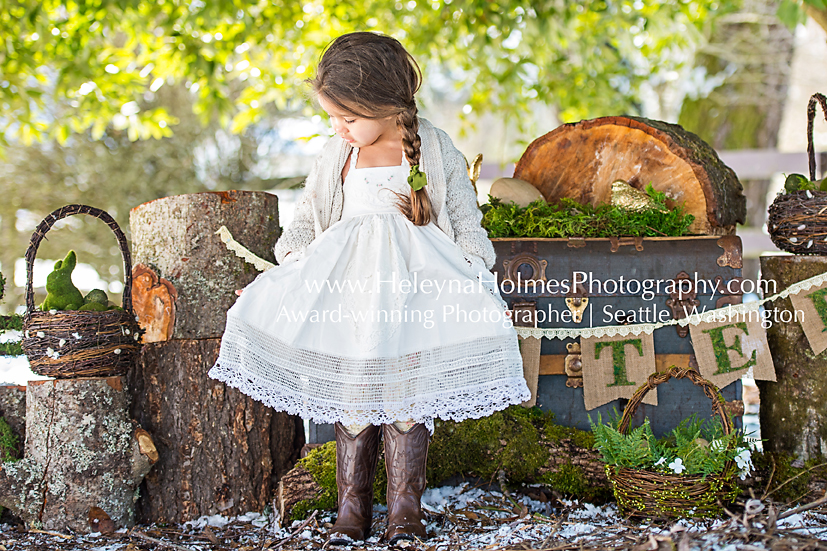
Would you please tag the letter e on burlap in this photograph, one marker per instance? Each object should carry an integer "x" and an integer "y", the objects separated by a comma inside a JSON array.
[
  {"x": 726, "y": 349},
  {"x": 614, "y": 367},
  {"x": 812, "y": 304}
]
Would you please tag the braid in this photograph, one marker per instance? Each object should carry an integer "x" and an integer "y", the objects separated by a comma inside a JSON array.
[
  {"x": 416, "y": 206},
  {"x": 408, "y": 124}
]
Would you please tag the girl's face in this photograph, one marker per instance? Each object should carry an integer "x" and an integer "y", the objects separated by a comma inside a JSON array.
[{"x": 357, "y": 131}]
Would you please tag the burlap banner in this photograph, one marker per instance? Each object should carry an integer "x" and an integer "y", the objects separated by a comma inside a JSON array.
[
  {"x": 813, "y": 318},
  {"x": 614, "y": 367},
  {"x": 727, "y": 346}
]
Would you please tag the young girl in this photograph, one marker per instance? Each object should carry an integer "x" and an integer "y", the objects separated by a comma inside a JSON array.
[{"x": 382, "y": 311}]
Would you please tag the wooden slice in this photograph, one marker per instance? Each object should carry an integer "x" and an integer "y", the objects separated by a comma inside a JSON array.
[{"x": 581, "y": 160}]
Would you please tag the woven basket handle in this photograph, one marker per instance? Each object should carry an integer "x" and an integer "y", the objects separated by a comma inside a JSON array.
[
  {"x": 655, "y": 379},
  {"x": 811, "y": 114},
  {"x": 46, "y": 225}
]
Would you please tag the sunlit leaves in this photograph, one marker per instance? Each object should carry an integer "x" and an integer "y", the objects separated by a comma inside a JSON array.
[{"x": 71, "y": 66}]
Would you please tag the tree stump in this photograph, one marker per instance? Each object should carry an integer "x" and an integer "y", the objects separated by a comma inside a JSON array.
[
  {"x": 82, "y": 451},
  {"x": 176, "y": 237},
  {"x": 582, "y": 160},
  {"x": 220, "y": 451},
  {"x": 793, "y": 409}
]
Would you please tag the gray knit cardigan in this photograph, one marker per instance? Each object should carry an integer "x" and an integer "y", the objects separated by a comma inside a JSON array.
[{"x": 449, "y": 188}]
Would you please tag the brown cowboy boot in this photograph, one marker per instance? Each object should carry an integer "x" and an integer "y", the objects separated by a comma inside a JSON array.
[
  {"x": 405, "y": 456},
  {"x": 355, "y": 469}
]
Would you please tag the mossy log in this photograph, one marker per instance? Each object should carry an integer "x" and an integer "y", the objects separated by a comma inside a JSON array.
[
  {"x": 176, "y": 237},
  {"x": 13, "y": 410},
  {"x": 581, "y": 160},
  {"x": 82, "y": 451},
  {"x": 794, "y": 408},
  {"x": 522, "y": 442},
  {"x": 221, "y": 452}
]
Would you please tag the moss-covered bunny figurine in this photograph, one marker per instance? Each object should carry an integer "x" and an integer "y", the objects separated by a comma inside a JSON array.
[{"x": 61, "y": 292}]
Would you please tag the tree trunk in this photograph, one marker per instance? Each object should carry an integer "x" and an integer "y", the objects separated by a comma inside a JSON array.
[
  {"x": 220, "y": 451},
  {"x": 176, "y": 237},
  {"x": 82, "y": 451},
  {"x": 13, "y": 410},
  {"x": 582, "y": 160},
  {"x": 794, "y": 409}
]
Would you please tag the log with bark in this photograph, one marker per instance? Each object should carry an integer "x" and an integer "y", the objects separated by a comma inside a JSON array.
[
  {"x": 794, "y": 408},
  {"x": 220, "y": 451},
  {"x": 82, "y": 451},
  {"x": 176, "y": 237},
  {"x": 581, "y": 160}
]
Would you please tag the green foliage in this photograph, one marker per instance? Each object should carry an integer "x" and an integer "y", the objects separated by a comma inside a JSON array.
[
  {"x": 94, "y": 64},
  {"x": 793, "y": 12},
  {"x": 571, "y": 219},
  {"x": 2, "y": 285},
  {"x": 798, "y": 182},
  {"x": 695, "y": 446},
  {"x": 8, "y": 442}
]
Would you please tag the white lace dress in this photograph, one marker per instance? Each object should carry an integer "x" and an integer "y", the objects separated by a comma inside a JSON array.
[{"x": 378, "y": 321}]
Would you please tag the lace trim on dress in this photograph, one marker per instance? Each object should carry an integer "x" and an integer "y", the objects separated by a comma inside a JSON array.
[{"x": 450, "y": 382}]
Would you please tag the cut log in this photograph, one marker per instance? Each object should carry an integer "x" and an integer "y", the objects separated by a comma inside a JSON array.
[
  {"x": 13, "y": 410},
  {"x": 176, "y": 236},
  {"x": 82, "y": 451},
  {"x": 220, "y": 452},
  {"x": 794, "y": 408},
  {"x": 581, "y": 160}
]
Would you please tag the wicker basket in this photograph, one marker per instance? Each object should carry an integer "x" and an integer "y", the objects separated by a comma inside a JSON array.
[
  {"x": 72, "y": 343},
  {"x": 797, "y": 222},
  {"x": 655, "y": 495}
]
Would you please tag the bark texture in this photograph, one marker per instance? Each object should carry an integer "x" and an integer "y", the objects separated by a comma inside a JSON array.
[
  {"x": 176, "y": 237},
  {"x": 793, "y": 409},
  {"x": 82, "y": 451},
  {"x": 220, "y": 451},
  {"x": 581, "y": 160}
]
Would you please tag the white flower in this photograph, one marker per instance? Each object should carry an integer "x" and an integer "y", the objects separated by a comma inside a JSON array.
[
  {"x": 76, "y": 335},
  {"x": 660, "y": 462},
  {"x": 744, "y": 462},
  {"x": 126, "y": 331},
  {"x": 117, "y": 351},
  {"x": 793, "y": 240},
  {"x": 62, "y": 342},
  {"x": 809, "y": 195},
  {"x": 677, "y": 466},
  {"x": 41, "y": 334},
  {"x": 49, "y": 352},
  {"x": 27, "y": 333},
  {"x": 53, "y": 311}
]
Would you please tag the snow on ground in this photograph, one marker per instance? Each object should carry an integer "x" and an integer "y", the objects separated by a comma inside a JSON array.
[{"x": 461, "y": 518}]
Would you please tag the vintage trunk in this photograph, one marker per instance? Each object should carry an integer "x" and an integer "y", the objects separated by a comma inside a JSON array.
[{"x": 699, "y": 258}]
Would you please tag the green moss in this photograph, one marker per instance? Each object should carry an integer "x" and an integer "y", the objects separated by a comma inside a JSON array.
[
  {"x": 580, "y": 438},
  {"x": 571, "y": 219},
  {"x": 788, "y": 483},
  {"x": 570, "y": 480},
  {"x": 8, "y": 442}
]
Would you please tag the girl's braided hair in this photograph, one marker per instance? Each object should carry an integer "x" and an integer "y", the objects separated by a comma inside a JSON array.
[{"x": 374, "y": 77}]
